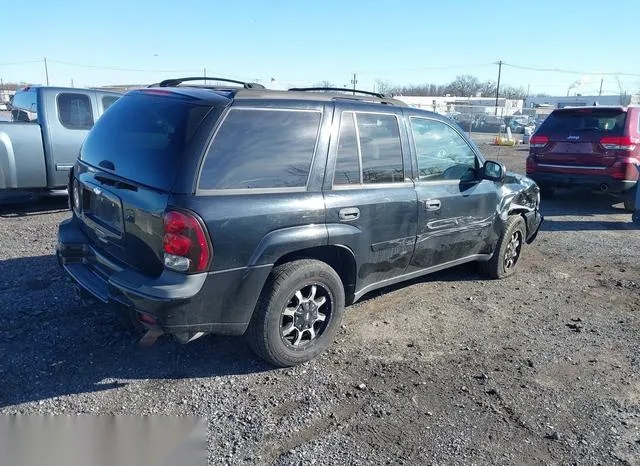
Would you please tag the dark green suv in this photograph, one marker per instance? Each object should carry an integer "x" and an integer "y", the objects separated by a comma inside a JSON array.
[{"x": 242, "y": 210}]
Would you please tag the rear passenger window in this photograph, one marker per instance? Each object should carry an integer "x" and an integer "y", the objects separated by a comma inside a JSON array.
[
  {"x": 108, "y": 101},
  {"x": 369, "y": 150},
  {"x": 75, "y": 111},
  {"x": 257, "y": 148},
  {"x": 381, "y": 148}
]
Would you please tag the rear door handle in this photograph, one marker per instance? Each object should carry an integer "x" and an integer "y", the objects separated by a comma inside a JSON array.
[
  {"x": 432, "y": 204},
  {"x": 349, "y": 213}
]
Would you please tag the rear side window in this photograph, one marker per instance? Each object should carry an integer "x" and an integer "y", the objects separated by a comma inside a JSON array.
[
  {"x": 607, "y": 122},
  {"x": 24, "y": 106},
  {"x": 74, "y": 111},
  {"x": 347, "y": 163},
  {"x": 369, "y": 150},
  {"x": 143, "y": 137},
  {"x": 261, "y": 148},
  {"x": 108, "y": 101}
]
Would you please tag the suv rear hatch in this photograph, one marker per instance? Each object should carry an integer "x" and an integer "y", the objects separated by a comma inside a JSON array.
[
  {"x": 127, "y": 170},
  {"x": 575, "y": 138}
]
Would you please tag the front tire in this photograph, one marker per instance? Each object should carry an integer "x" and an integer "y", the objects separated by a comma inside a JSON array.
[
  {"x": 507, "y": 253},
  {"x": 298, "y": 313}
]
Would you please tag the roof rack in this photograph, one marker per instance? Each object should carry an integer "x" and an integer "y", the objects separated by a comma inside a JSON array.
[
  {"x": 339, "y": 89},
  {"x": 178, "y": 81}
]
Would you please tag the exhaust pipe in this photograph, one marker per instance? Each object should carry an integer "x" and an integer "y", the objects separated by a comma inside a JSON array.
[
  {"x": 150, "y": 337},
  {"x": 604, "y": 187}
]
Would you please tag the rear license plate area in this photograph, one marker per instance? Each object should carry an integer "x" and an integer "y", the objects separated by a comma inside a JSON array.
[
  {"x": 574, "y": 147},
  {"x": 103, "y": 210}
]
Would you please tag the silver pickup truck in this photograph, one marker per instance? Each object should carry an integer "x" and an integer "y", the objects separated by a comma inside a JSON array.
[{"x": 41, "y": 142}]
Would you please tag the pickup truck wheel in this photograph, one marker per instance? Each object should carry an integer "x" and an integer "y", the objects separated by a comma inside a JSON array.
[
  {"x": 298, "y": 313},
  {"x": 508, "y": 250}
]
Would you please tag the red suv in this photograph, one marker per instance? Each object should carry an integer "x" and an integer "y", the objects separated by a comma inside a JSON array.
[{"x": 592, "y": 147}]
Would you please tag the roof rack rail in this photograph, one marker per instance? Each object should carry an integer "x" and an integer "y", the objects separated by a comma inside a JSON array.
[
  {"x": 339, "y": 89},
  {"x": 178, "y": 81}
]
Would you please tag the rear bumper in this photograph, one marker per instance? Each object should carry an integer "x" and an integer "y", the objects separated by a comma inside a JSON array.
[
  {"x": 594, "y": 182},
  {"x": 183, "y": 305}
]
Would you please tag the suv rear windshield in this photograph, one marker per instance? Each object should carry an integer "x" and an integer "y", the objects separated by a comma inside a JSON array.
[
  {"x": 603, "y": 122},
  {"x": 144, "y": 137}
]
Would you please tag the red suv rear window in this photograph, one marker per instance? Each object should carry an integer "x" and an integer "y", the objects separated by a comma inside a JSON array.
[{"x": 578, "y": 121}]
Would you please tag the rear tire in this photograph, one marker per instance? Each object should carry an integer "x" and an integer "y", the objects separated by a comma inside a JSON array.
[
  {"x": 298, "y": 313},
  {"x": 508, "y": 250},
  {"x": 630, "y": 200}
]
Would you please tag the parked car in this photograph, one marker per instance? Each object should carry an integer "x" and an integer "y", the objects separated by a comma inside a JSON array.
[
  {"x": 259, "y": 212},
  {"x": 41, "y": 143},
  {"x": 588, "y": 147}
]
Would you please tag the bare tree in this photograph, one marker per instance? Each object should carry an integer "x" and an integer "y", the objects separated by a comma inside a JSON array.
[
  {"x": 324, "y": 83},
  {"x": 464, "y": 86},
  {"x": 384, "y": 87},
  {"x": 510, "y": 92}
]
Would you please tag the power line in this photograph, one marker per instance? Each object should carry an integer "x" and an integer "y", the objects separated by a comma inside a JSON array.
[
  {"x": 83, "y": 65},
  {"x": 20, "y": 62},
  {"x": 560, "y": 70},
  {"x": 428, "y": 68}
]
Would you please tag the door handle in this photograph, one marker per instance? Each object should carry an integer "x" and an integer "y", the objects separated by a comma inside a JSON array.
[
  {"x": 349, "y": 213},
  {"x": 432, "y": 204}
]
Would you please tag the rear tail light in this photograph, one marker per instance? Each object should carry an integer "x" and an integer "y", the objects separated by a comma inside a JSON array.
[
  {"x": 186, "y": 243},
  {"x": 618, "y": 143},
  {"x": 538, "y": 141}
]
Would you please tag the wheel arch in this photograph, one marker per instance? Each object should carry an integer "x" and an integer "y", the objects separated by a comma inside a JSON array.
[{"x": 338, "y": 257}]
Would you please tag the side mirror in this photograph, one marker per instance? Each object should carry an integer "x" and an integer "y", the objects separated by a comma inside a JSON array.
[{"x": 493, "y": 171}]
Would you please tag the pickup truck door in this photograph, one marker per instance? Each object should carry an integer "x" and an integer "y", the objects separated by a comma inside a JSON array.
[{"x": 69, "y": 115}]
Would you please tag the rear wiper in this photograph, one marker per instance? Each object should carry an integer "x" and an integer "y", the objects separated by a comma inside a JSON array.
[{"x": 585, "y": 129}]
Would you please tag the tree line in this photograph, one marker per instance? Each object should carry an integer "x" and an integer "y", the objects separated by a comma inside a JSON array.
[{"x": 463, "y": 86}]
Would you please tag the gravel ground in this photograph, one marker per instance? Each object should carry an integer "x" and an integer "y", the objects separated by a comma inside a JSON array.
[{"x": 541, "y": 368}]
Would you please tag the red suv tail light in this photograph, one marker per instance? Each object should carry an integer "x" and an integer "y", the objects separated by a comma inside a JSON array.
[
  {"x": 538, "y": 141},
  {"x": 186, "y": 243},
  {"x": 618, "y": 143}
]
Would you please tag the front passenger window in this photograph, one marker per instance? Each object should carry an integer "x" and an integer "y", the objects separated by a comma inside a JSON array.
[{"x": 442, "y": 152}]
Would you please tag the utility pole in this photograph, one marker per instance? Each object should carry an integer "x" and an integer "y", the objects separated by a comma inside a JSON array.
[
  {"x": 354, "y": 81},
  {"x": 72, "y": 82},
  {"x": 498, "y": 85},
  {"x": 205, "y": 75},
  {"x": 46, "y": 70},
  {"x": 601, "y": 81}
]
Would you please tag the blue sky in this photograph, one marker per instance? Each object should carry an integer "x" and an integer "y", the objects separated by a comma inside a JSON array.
[{"x": 303, "y": 42}]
